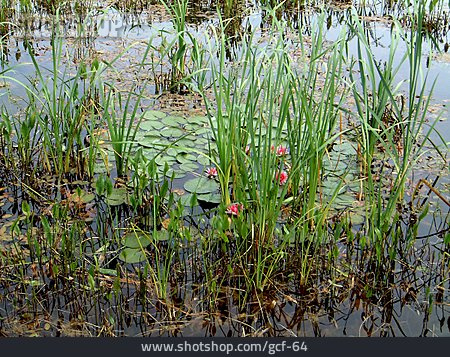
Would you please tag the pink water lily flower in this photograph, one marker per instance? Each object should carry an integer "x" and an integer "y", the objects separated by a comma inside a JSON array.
[
  {"x": 235, "y": 209},
  {"x": 281, "y": 177},
  {"x": 282, "y": 150},
  {"x": 211, "y": 172}
]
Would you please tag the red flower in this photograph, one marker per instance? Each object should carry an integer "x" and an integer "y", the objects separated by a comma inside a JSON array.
[
  {"x": 281, "y": 177},
  {"x": 235, "y": 209},
  {"x": 282, "y": 150},
  {"x": 211, "y": 172}
]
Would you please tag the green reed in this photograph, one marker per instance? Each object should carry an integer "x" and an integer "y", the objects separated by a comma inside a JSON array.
[
  {"x": 386, "y": 123},
  {"x": 178, "y": 10}
]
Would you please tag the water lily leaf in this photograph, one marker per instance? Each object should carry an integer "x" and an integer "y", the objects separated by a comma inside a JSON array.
[
  {"x": 161, "y": 235},
  {"x": 149, "y": 126},
  {"x": 357, "y": 219},
  {"x": 201, "y": 141},
  {"x": 191, "y": 126},
  {"x": 162, "y": 160},
  {"x": 203, "y": 131},
  {"x": 201, "y": 185},
  {"x": 176, "y": 174},
  {"x": 117, "y": 197},
  {"x": 87, "y": 197},
  {"x": 150, "y": 153},
  {"x": 345, "y": 148},
  {"x": 189, "y": 167},
  {"x": 185, "y": 157},
  {"x": 105, "y": 271},
  {"x": 203, "y": 160},
  {"x": 136, "y": 240},
  {"x": 173, "y": 120},
  {"x": 148, "y": 141},
  {"x": 152, "y": 114},
  {"x": 172, "y": 132},
  {"x": 210, "y": 197},
  {"x": 188, "y": 142},
  {"x": 198, "y": 119},
  {"x": 132, "y": 255}
]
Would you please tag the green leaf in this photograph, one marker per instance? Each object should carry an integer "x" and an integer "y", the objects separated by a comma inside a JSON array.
[
  {"x": 152, "y": 114},
  {"x": 201, "y": 185},
  {"x": 136, "y": 240},
  {"x": 117, "y": 197},
  {"x": 161, "y": 235},
  {"x": 172, "y": 132},
  {"x": 210, "y": 197},
  {"x": 132, "y": 256},
  {"x": 189, "y": 167},
  {"x": 173, "y": 120}
]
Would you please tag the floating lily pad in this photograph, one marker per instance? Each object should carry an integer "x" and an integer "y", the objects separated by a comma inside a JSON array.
[
  {"x": 189, "y": 167},
  {"x": 191, "y": 126},
  {"x": 87, "y": 197},
  {"x": 150, "y": 153},
  {"x": 136, "y": 240},
  {"x": 201, "y": 185},
  {"x": 173, "y": 120},
  {"x": 176, "y": 174},
  {"x": 117, "y": 197},
  {"x": 357, "y": 219},
  {"x": 203, "y": 131},
  {"x": 198, "y": 119},
  {"x": 161, "y": 235},
  {"x": 203, "y": 160},
  {"x": 185, "y": 199},
  {"x": 151, "y": 114},
  {"x": 172, "y": 132},
  {"x": 210, "y": 197},
  {"x": 185, "y": 157},
  {"x": 188, "y": 142},
  {"x": 132, "y": 255},
  {"x": 152, "y": 125},
  {"x": 162, "y": 160},
  {"x": 147, "y": 141},
  {"x": 345, "y": 148}
]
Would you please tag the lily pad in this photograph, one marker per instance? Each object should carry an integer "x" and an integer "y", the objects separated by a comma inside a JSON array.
[
  {"x": 210, "y": 197},
  {"x": 87, "y": 197},
  {"x": 162, "y": 160},
  {"x": 201, "y": 185},
  {"x": 185, "y": 157},
  {"x": 203, "y": 131},
  {"x": 189, "y": 167},
  {"x": 117, "y": 197},
  {"x": 345, "y": 148},
  {"x": 198, "y": 119},
  {"x": 151, "y": 114},
  {"x": 187, "y": 142},
  {"x": 172, "y": 132},
  {"x": 173, "y": 120},
  {"x": 176, "y": 174},
  {"x": 132, "y": 255},
  {"x": 152, "y": 125},
  {"x": 203, "y": 160},
  {"x": 136, "y": 240},
  {"x": 161, "y": 235}
]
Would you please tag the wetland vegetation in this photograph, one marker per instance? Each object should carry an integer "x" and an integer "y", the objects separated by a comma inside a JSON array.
[{"x": 224, "y": 168}]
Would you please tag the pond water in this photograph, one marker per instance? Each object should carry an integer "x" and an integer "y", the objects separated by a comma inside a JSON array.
[{"x": 99, "y": 264}]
